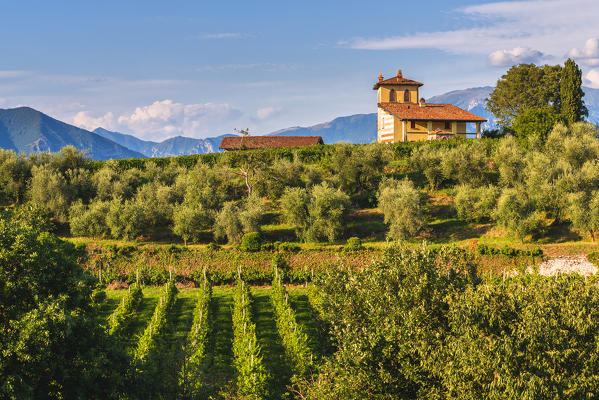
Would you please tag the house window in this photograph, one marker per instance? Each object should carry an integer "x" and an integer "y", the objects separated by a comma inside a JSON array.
[
  {"x": 413, "y": 125},
  {"x": 392, "y": 96},
  {"x": 406, "y": 96},
  {"x": 447, "y": 125}
]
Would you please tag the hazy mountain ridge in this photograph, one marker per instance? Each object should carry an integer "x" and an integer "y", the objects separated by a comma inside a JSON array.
[
  {"x": 26, "y": 130},
  {"x": 175, "y": 146}
]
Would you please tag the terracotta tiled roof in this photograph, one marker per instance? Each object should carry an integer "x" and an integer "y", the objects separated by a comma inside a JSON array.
[
  {"x": 261, "y": 142},
  {"x": 430, "y": 112},
  {"x": 397, "y": 81}
]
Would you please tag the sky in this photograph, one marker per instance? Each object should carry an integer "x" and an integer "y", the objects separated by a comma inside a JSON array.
[{"x": 158, "y": 69}]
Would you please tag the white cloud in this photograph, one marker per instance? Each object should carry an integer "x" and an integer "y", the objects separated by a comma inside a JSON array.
[
  {"x": 84, "y": 120},
  {"x": 589, "y": 54},
  {"x": 167, "y": 118},
  {"x": 224, "y": 35},
  {"x": 163, "y": 119},
  {"x": 267, "y": 112},
  {"x": 517, "y": 55},
  {"x": 269, "y": 67},
  {"x": 550, "y": 26},
  {"x": 592, "y": 78},
  {"x": 9, "y": 74}
]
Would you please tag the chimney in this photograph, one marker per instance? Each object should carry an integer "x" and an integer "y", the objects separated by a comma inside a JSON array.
[
  {"x": 422, "y": 102},
  {"x": 380, "y": 77},
  {"x": 399, "y": 75}
]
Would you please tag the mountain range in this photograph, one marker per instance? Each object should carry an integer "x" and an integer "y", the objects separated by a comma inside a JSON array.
[{"x": 26, "y": 130}]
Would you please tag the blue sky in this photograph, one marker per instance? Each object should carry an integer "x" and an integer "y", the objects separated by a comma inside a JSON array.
[{"x": 158, "y": 69}]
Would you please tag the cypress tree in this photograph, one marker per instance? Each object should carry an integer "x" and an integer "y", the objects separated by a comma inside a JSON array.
[{"x": 572, "y": 105}]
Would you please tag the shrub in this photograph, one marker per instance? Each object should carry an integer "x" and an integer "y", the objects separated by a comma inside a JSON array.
[
  {"x": 267, "y": 246},
  {"x": 251, "y": 241},
  {"x": 287, "y": 246},
  {"x": 593, "y": 257},
  {"x": 213, "y": 246},
  {"x": 400, "y": 203},
  {"x": 353, "y": 244}
]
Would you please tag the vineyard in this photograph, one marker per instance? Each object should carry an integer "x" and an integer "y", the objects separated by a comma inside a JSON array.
[{"x": 219, "y": 342}]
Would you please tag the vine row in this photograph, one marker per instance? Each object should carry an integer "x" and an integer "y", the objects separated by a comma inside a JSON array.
[
  {"x": 295, "y": 341},
  {"x": 158, "y": 324},
  {"x": 190, "y": 377},
  {"x": 252, "y": 376},
  {"x": 129, "y": 304}
]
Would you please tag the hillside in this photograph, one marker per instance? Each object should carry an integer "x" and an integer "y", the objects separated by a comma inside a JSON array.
[
  {"x": 175, "y": 146},
  {"x": 26, "y": 130}
]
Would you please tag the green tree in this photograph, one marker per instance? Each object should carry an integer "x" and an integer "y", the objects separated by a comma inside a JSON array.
[
  {"x": 89, "y": 220},
  {"x": 476, "y": 204},
  {"x": 356, "y": 170},
  {"x": 235, "y": 219},
  {"x": 571, "y": 93},
  {"x": 535, "y": 122},
  {"x": 523, "y": 87},
  {"x": 15, "y": 173},
  {"x": 583, "y": 210},
  {"x": 428, "y": 160},
  {"x": 517, "y": 213},
  {"x": 126, "y": 220},
  {"x": 52, "y": 344},
  {"x": 400, "y": 202},
  {"x": 327, "y": 214},
  {"x": 386, "y": 320}
]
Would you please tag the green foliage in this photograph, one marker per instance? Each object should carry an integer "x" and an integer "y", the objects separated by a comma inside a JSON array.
[
  {"x": 193, "y": 372},
  {"x": 429, "y": 161},
  {"x": 483, "y": 249},
  {"x": 15, "y": 172},
  {"x": 252, "y": 376},
  {"x": 386, "y": 320},
  {"x": 318, "y": 214},
  {"x": 517, "y": 214},
  {"x": 153, "y": 336},
  {"x": 400, "y": 202},
  {"x": 356, "y": 169},
  {"x": 593, "y": 257},
  {"x": 126, "y": 220},
  {"x": 89, "y": 220},
  {"x": 52, "y": 345},
  {"x": 294, "y": 340},
  {"x": 476, "y": 204},
  {"x": 251, "y": 241},
  {"x": 235, "y": 219},
  {"x": 583, "y": 211},
  {"x": 571, "y": 93},
  {"x": 353, "y": 244},
  {"x": 524, "y": 86},
  {"x": 121, "y": 316},
  {"x": 535, "y": 122}
]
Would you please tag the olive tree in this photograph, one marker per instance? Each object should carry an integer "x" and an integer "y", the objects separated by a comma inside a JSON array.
[
  {"x": 238, "y": 218},
  {"x": 318, "y": 213},
  {"x": 517, "y": 213},
  {"x": 476, "y": 204},
  {"x": 401, "y": 205}
]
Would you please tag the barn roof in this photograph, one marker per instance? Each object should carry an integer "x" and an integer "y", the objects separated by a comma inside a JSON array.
[{"x": 263, "y": 142}]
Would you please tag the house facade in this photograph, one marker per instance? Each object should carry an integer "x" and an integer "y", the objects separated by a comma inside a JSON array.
[{"x": 404, "y": 116}]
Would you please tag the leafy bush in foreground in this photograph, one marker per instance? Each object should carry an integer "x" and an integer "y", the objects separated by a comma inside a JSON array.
[{"x": 420, "y": 324}]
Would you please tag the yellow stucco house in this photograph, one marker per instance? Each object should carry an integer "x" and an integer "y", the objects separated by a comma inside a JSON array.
[{"x": 403, "y": 117}]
